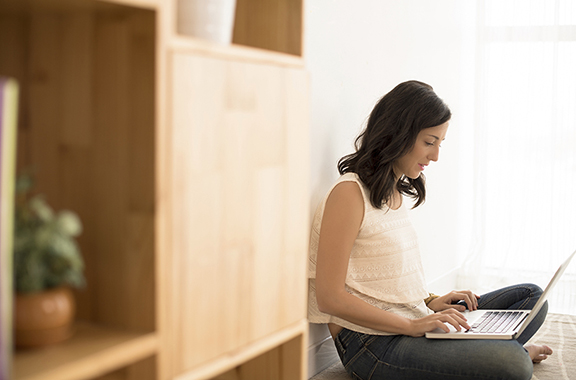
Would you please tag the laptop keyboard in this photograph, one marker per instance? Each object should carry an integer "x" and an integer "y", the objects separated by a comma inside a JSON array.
[{"x": 496, "y": 321}]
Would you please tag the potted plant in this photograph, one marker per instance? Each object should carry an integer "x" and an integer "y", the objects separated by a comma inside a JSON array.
[{"x": 47, "y": 262}]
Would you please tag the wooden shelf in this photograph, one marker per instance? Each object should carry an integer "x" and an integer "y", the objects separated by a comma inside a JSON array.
[
  {"x": 92, "y": 351},
  {"x": 31, "y": 6},
  {"x": 235, "y": 52},
  {"x": 147, "y": 4}
]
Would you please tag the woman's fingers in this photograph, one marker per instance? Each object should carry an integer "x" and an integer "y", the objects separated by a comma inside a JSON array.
[
  {"x": 455, "y": 318},
  {"x": 441, "y": 325},
  {"x": 468, "y": 297},
  {"x": 470, "y": 300},
  {"x": 439, "y": 320}
]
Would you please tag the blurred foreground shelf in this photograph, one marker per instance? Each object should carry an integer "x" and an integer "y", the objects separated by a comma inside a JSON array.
[
  {"x": 92, "y": 351},
  {"x": 187, "y": 162}
]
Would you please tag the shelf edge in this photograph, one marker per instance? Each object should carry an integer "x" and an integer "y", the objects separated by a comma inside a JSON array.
[
  {"x": 146, "y": 4},
  {"x": 236, "y": 52},
  {"x": 103, "y": 362}
]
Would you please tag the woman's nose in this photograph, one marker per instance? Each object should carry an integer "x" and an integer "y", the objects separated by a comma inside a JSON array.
[{"x": 434, "y": 155}]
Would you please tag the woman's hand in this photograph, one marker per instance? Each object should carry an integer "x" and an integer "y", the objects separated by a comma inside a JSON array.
[
  {"x": 449, "y": 301},
  {"x": 420, "y": 326}
]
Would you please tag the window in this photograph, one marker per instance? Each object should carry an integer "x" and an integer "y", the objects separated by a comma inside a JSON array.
[{"x": 524, "y": 213}]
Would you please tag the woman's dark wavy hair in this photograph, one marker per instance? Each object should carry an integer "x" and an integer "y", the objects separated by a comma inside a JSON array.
[{"x": 390, "y": 133}]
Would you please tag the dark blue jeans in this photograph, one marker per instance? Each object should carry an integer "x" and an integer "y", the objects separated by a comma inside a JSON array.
[{"x": 372, "y": 357}]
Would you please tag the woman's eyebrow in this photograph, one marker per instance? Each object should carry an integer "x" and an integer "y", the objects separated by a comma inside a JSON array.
[{"x": 436, "y": 137}]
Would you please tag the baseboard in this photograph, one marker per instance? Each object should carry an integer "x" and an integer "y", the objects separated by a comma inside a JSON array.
[{"x": 321, "y": 355}]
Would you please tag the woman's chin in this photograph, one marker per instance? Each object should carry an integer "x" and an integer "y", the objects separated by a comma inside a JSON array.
[{"x": 413, "y": 175}]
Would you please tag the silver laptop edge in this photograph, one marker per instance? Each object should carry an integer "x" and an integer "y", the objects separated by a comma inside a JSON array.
[{"x": 544, "y": 295}]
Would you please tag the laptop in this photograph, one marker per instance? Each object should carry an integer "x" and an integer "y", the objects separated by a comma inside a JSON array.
[{"x": 499, "y": 324}]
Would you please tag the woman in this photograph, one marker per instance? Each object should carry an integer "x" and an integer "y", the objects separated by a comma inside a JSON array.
[{"x": 366, "y": 277}]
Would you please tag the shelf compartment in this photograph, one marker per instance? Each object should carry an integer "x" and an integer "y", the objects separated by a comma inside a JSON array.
[
  {"x": 274, "y": 26},
  {"x": 271, "y": 25},
  {"x": 92, "y": 351},
  {"x": 86, "y": 127}
]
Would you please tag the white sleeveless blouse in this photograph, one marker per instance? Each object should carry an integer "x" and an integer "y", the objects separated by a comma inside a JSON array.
[{"x": 385, "y": 268}]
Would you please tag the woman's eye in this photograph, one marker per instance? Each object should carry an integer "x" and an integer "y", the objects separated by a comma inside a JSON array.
[{"x": 429, "y": 143}]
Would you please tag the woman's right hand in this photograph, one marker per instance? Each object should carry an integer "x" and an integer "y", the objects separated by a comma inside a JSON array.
[{"x": 418, "y": 327}]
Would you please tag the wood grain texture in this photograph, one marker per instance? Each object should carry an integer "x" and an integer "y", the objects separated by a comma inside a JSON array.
[{"x": 240, "y": 183}]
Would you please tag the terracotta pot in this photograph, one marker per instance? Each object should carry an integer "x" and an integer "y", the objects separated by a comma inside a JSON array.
[{"x": 43, "y": 318}]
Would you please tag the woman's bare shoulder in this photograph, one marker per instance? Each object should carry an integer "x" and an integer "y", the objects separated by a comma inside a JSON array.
[{"x": 346, "y": 197}]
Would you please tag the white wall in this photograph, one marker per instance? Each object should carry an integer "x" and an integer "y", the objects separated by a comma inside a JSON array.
[{"x": 356, "y": 51}]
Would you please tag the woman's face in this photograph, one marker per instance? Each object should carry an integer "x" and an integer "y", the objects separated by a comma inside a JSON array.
[{"x": 426, "y": 149}]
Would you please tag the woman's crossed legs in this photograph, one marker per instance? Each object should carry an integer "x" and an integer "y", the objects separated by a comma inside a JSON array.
[{"x": 370, "y": 357}]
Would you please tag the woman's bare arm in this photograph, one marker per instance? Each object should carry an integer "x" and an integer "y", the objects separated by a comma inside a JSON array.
[{"x": 341, "y": 222}]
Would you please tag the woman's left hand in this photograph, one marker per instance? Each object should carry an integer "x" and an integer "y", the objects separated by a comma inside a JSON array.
[{"x": 449, "y": 301}]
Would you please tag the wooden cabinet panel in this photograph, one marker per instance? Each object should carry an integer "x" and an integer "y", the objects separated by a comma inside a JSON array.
[{"x": 239, "y": 215}]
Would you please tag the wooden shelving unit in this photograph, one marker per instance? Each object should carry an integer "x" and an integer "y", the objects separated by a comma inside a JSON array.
[
  {"x": 91, "y": 352},
  {"x": 187, "y": 163}
]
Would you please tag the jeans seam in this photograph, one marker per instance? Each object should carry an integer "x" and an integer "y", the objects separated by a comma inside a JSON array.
[
  {"x": 368, "y": 341},
  {"x": 349, "y": 336},
  {"x": 362, "y": 351},
  {"x": 373, "y": 369},
  {"x": 355, "y": 357},
  {"x": 339, "y": 345}
]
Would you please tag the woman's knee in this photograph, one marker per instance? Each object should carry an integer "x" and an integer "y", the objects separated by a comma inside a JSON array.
[
  {"x": 514, "y": 365},
  {"x": 523, "y": 368},
  {"x": 535, "y": 290},
  {"x": 531, "y": 293},
  {"x": 521, "y": 371}
]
